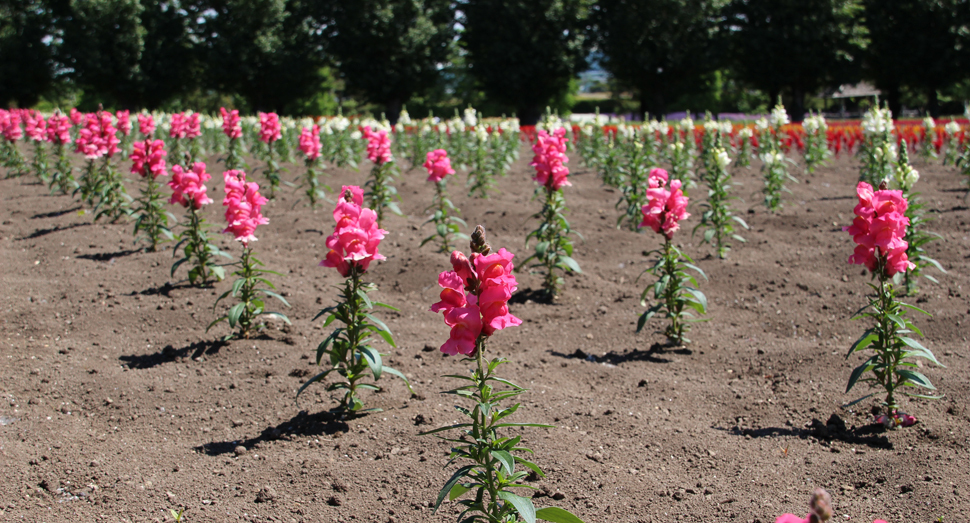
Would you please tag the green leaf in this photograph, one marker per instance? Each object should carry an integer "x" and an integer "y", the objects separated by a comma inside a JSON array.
[
  {"x": 522, "y": 505},
  {"x": 363, "y": 295},
  {"x": 694, "y": 268},
  {"x": 373, "y": 361},
  {"x": 457, "y": 491},
  {"x": 557, "y": 515},
  {"x": 324, "y": 311},
  {"x": 234, "y": 313},
  {"x": 387, "y": 337},
  {"x": 378, "y": 322},
  {"x": 316, "y": 378},
  {"x": 531, "y": 466},
  {"x": 508, "y": 462},
  {"x": 455, "y": 478},
  {"x": 858, "y": 371},
  {"x": 279, "y": 315},
  {"x": 386, "y": 306},
  {"x": 395, "y": 372},
  {"x": 275, "y": 295},
  {"x": 864, "y": 341},
  {"x": 647, "y": 315},
  {"x": 571, "y": 263},
  {"x": 916, "y": 378},
  {"x": 701, "y": 299},
  {"x": 322, "y": 348},
  {"x": 917, "y": 309}
]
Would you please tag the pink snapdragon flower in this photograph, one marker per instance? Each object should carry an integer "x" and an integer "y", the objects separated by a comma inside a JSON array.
[
  {"x": 148, "y": 158},
  {"x": 550, "y": 159},
  {"x": 146, "y": 125},
  {"x": 665, "y": 209},
  {"x": 310, "y": 142},
  {"x": 243, "y": 207},
  {"x": 59, "y": 129},
  {"x": 178, "y": 126},
  {"x": 193, "y": 126},
  {"x": 378, "y": 145},
  {"x": 36, "y": 127},
  {"x": 438, "y": 165},
  {"x": 188, "y": 187},
  {"x": 230, "y": 123},
  {"x": 270, "y": 129},
  {"x": 124, "y": 121},
  {"x": 109, "y": 135},
  {"x": 77, "y": 117},
  {"x": 878, "y": 230},
  {"x": 98, "y": 137},
  {"x": 474, "y": 298},
  {"x": 356, "y": 236},
  {"x": 10, "y": 125}
]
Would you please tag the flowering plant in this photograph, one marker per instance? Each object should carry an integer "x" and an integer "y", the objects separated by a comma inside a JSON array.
[
  {"x": 59, "y": 133},
  {"x": 718, "y": 216},
  {"x": 439, "y": 166},
  {"x": 665, "y": 209},
  {"x": 474, "y": 301},
  {"x": 189, "y": 191},
  {"x": 774, "y": 162},
  {"x": 104, "y": 188},
  {"x": 270, "y": 131},
  {"x": 816, "y": 141},
  {"x": 243, "y": 213},
  {"x": 879, "y": 231},
  {"x": 631, "y": 178},
  {"x": 904, "y": 178},
  {"x": 232, "y": 127},
  {"x": 380, "y": 193},
  {"x": 148, "y": 161},
  {"x": 820, "y": 506},
  {"x": 36, "y": 128},
  {"x": 553, "y": 249},
  {"x": 10, "y": 155},
  {"x": 146, "y": 125},
  {"x": 310, "y": 145},
  {"x": 353, "y": 246}
]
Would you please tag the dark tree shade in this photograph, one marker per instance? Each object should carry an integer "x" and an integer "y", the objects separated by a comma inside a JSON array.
[
  {"x": 268, "y": 51},
  {"x": 168, "y": 64},
  {"x": 916, "y": 44},
  {"x": 389, "y": 50},
  {"x": 661, "y": 48},
  {"x": 524, "y": 53},
  {"x": 800, "y": 45},
  {"x": 26, "y": 57}
]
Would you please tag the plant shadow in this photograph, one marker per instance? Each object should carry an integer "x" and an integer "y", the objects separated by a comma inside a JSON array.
[
  {"x": 871, "y": 435},
  {"x": 164, "y": 289},
  {"x": 55, "y": 214},
  {"x": 536, "y": 296},
  {"x": 170, "y": 353},
  {"x": 44, "y": 232},
  {"x": 652, "y": 355},
  {"x": 301, "y": 425},
  {"x": 108, "y": 256}
]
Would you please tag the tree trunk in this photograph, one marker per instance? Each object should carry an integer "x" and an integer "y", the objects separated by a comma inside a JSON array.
[
  {"x": 798, "y": 104},
  {"x": 393, "y": 110},
  {"x": 933, "y": 103},
  {"x": 892, "y": 97},
  {"x": 529, "y": 115},
  {"x": 652, "y": 102}
]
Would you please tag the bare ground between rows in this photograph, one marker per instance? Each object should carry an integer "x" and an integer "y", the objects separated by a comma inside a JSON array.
[{"x": 118, "y": 406}]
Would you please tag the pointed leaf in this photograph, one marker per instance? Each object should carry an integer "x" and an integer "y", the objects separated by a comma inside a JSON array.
[
  {"x": 522, "y": 505},
  {"x": 557, "y": 515}
]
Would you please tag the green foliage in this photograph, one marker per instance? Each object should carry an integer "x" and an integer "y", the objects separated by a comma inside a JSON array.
[
  {"x": 633, "y": 183},
  {"x": 674, "y": 294},
  {"x": 523, "y": 54},
  {"x": 718, "y": 219},
  {"x": 893, "y": 346},
  {"x": 389, "y": 50},
  {"x": 349, "y": 348},
  {"x": 800, "y": 45},
  {"x": 198, "y": 252},
  {"x": 661, "y": 48},
  {"x": 251, "y": 298},
  {"x": 497, "y": 463},
  {"x": 150, "y": 216},
  {"x": 379, "y": 193},
  {"x": 27, "y": 68},
  {"x": 554, "y": 248},
  {"x": 446, "y": 225}
]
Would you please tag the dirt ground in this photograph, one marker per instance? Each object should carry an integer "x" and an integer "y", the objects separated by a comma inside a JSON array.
[{"x": 118, "y": 406}]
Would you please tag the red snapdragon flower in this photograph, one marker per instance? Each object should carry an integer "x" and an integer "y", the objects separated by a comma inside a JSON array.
[
  {"x": 356, "y": 236},
  {"x": 438, "y": 165},
  {"x": 310, "y": 142},
  {"x": 148, "y": 158},
  {"x": 243, "y": 207},
  {"x": 665, "y": 209},
  {"x": 188, "y": 187},
  {"x": 878, "y": 230}
]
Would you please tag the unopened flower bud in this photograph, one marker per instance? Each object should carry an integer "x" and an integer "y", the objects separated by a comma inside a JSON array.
[
  {"x": 821, "y": 505},
  {"x": 478, "y": 243},
  {"x": 883, "y": 185}
]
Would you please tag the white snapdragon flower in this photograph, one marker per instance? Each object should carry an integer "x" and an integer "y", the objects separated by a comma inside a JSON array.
[
  {"x": 904, "y": 178},
  {"x": 877, "y": 121},
  {"x": 355, "y": 135},
  {"x": 404, "y": 118},
  {"x": 761, "y": 124},
  {"x": 399, "y": 127},
  {"x": 663, "y": 127},
  {"x": 745, "y": 133},
  {"x": 727, "y": 127},
  {"x": 779, "y": 116},
  {"x": 721, "y": 158},
  {"x": 470, "y": 117},
  {"x": 929, "y": 124},
  {"x": 952, "y": 128},
  {"x": 481, "y": 133},
  {"x": 340, "y": 124}
]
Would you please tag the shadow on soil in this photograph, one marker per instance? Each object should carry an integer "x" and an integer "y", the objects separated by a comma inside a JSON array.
[
  {"x": 537, "y": 296},
  {"x": 301, "y": 425},
  {"x": 108, "y": 256},
  {"x": 164, "y": 290},
  {"x": 44, "y": 232},
  {"x": 170, "y": 353},
  {"x": 653, "y": 354},
  {"x": 55, "y": 214},
  {"x": 834, "y": 429}
]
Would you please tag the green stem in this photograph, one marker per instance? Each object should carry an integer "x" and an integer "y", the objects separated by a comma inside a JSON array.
[
  {"x": 248, "y": 292},
  {"x": 352, "y": 358},
  {"x": 485, "y": 436}
]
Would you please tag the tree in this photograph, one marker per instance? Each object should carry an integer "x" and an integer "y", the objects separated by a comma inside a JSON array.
[
  {"x": 390, "y": 50},
  {"x": 917, "y": 44},
  {"x": 103, "y": 41},
  {"x": 268, "y": 51},
  {"x": 524, "y": 53},
  {"x": 799, "y": 45},
  {"x": 661, "y": 48},
  {"x": 27, "y": 64},
  {"x": 169, "y": 64}
]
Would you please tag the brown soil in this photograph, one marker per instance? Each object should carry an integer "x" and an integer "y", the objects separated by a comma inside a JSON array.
[{"x": 118, "y": 406}]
